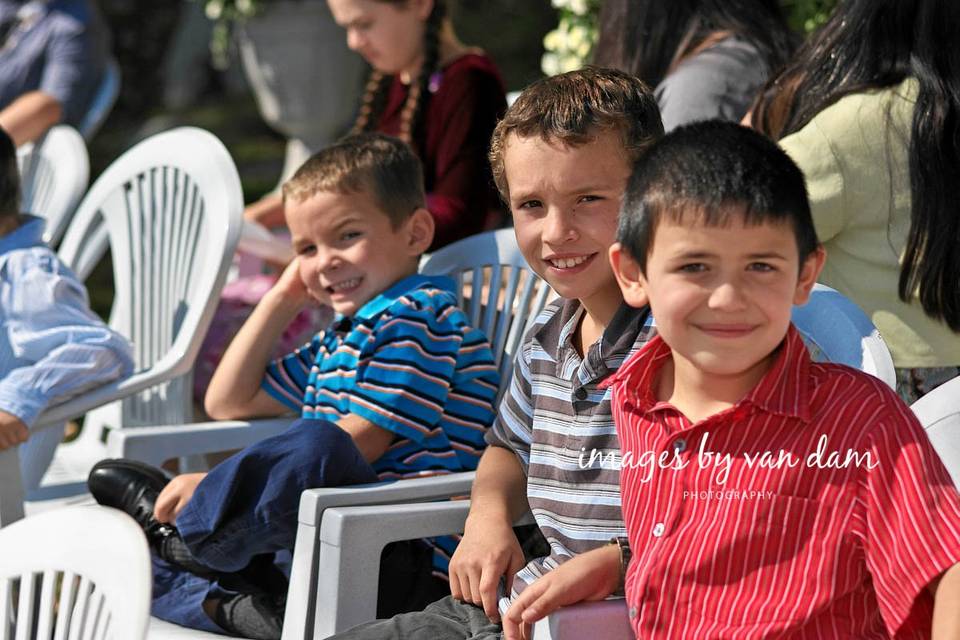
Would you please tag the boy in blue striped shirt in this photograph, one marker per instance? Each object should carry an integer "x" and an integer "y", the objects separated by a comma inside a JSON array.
[{"x": 399, "y": 385}]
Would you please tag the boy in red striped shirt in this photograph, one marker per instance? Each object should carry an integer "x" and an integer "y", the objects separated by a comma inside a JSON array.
[{"x": 764, "y": 495}]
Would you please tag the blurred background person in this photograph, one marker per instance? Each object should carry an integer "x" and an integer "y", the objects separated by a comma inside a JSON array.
[
  {"x": 870, "y": 111},
  {"x": 52, "y": 58},
  {"x": 705, "y": 59}
]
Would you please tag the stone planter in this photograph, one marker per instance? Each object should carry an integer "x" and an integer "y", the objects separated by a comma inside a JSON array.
[{"x": 307, "y": 83}]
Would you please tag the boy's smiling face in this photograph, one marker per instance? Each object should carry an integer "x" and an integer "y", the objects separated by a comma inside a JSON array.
[
  {"x": 348, "y": 250},
  {"x": 721, "y": 296},
  {"x": 565, "y": 202}
]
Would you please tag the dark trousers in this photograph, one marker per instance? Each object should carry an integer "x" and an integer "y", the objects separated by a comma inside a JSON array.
[
  {"x": 244, "y": 513},
  {"x": 445, "y": 619}
]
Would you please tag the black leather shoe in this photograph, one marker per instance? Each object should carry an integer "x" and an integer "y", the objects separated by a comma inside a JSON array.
[{"x": 133, "y": 487}]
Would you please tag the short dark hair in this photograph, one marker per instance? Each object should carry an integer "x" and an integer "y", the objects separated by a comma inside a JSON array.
[
  {"x": 713, "y": 171},
  {"x": 571, "y": 107},
  {"x": 9, "y": 177},
  {"x": 385, "y": 167}
]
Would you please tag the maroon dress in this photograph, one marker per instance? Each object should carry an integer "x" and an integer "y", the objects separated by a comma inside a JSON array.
[{"x": 465, "y": 101}]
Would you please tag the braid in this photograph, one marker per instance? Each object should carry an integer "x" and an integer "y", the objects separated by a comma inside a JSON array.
[
  {"x": 411, "y": 118},
  {"x": 374, "y": 100}
]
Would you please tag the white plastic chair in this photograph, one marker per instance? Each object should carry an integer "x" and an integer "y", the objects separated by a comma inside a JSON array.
[
  {"x": 491, "y": 258},
  {"x": 169, "y": 210},
  {"x": 80, "y": 572},
  {"x": 835, "y": 329},
  {"x": 102, "y": 102},
  {"x": 939, "y": 413},
  {"x": 54, "y": 172},
  {"x": 510, "y": 296}
]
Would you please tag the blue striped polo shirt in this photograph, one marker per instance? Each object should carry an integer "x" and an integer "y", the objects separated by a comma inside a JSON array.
[{"x": 409, "y": 362}]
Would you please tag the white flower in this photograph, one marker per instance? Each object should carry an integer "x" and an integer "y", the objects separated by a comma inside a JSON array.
[
  {"x": 245, "y": 7},
  {"x": 576, "y": 35},
  {"x": 214, "y": 9},
  {"x": 579, "y": 7},
  {"x": 553, "y": 41},
  {"x": 570, "y": 63},
  {"x": 550, "y": 64}
]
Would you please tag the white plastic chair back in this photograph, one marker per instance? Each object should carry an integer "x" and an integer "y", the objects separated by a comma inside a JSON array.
[
  {"x": 79, "y": 573},
  {"x": 169, "y": 209},
  {"x": 102, "y": 102},
  {"x": 939, "y": 413},
  {"x": 54, "y": 172},
  {"x": 836, "y": 330},
  {"x": 511, "y": 294}
]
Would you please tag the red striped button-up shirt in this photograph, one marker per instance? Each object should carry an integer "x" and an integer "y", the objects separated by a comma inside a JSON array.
[{"x": 813, "y": 508}]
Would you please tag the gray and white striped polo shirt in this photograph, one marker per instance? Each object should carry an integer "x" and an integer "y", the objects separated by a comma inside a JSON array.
[{"x": 558, "y": 422}]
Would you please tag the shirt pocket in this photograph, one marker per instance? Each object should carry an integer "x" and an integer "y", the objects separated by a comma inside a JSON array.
[{"x": 771, "y": 558}]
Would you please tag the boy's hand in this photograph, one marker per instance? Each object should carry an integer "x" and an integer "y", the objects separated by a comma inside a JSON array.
[
  {"x": 12, "y": 431},
  {"x": 290, "y": 285},
  {"x": 489, "y": 550},
  {"x": 175, "y": 496},
  {"x": 590, "y": 576}
]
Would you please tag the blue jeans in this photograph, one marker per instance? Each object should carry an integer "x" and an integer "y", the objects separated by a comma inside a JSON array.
[{"x": 246, "y": 508}]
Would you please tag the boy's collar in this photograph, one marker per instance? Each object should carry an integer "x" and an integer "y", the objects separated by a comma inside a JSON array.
[
  {"x": 783, "y": 389},
  {"x": 381, "y": 302},
  {"x": 28, "y": 234},
  {"x": 617, "y": 338}
]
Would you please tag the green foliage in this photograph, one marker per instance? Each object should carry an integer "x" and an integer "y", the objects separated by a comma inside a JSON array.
[
  {"x": 569, "y": 46},
  {"x": 806, "y": 15},
  {"x": 224, "y": 13}
]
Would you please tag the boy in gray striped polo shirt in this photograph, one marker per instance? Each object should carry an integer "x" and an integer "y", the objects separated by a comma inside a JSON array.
[{"x": 561, "y": 158}]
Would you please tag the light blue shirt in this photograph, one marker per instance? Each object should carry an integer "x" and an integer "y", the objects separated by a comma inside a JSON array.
[{"x": 52, "y": 346}]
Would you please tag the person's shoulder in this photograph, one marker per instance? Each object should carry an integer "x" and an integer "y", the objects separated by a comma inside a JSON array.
[
  {"x": 429, "y": 300},
  {"x": 37, "y": 258},
  {"x": 472, "y": 60},
  {"x": 837, "y": 385},
  {"x": 70, "y": 15},
  {"x": 857, "y": 115},
  {"x": 473, "y": 70}
]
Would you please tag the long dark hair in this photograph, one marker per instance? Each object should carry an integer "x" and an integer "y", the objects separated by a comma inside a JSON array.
[
  {"x": 9, "y": 178},
  {"x": 648, "y": 38},
  {"x": 871, "y": 44},
  {"x": 378, "y": 85}
]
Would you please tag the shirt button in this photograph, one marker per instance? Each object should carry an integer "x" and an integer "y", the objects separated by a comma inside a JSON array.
[
  {"x": 580, "y": 394},
  {"x": 633, "y": 612},
  {"x": 680, "y": 445},
  {"x": 658, "y": 530}
]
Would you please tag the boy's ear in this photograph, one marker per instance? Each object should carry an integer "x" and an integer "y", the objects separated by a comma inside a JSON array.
[
  {"x": 418, "y": 231},
  {"x": 423, "y": 8},
  {"x": 629, "y": 276},
  {"x": 809, "y": 272}
]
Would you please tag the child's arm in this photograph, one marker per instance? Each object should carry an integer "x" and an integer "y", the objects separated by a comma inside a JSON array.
[
  {"x": 946, "y": 605},
  {"x": 235, "y": 390},
  {"x": 590, "y": 576},
  {"x": 62, "y": 347},
  {"x": 489, "y": 549}
]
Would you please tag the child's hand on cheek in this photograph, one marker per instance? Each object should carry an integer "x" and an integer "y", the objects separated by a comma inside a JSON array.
[{"x": 291, "y": 287}]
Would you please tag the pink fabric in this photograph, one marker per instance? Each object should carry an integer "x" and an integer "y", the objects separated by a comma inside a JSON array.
[{"x": 236, "y": 304}]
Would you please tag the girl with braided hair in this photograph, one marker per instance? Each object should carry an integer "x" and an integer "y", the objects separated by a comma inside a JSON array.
[
  {"x": 427, "y": 88},
  {"x": 433, "y": 92}
]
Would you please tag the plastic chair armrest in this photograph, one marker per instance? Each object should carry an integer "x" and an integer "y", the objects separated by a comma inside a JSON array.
[{"x": 153, "y": 445}]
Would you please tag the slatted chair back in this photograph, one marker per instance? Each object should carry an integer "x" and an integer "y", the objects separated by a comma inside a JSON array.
[
  {"x": 54, "y": 173},
  {"x": 496, "y": 288},
  {"x": 169, "y": 211},
  {"x": 79, "y": 573}
]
